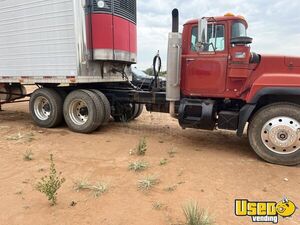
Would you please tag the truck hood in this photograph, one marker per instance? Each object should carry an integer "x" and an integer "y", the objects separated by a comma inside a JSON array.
[
  {"x": 278, "y": 64},
  {"x": 291, "y": 61}
]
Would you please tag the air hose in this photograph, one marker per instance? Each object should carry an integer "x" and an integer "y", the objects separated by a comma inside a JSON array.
[{"x": 156, "y": 69}]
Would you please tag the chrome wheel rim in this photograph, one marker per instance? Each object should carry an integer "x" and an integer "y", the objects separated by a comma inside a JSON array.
[
  {"x": 281, "y": 135},
  {"x": 42, "y": 108},
  {"x": 78, "y": 112}
]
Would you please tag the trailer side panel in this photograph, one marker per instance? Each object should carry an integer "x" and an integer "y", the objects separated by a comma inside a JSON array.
[{"x": 37, "y": 39}]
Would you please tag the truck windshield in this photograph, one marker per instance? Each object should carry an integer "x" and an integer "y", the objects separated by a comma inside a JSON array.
[{"x": 238, "y": 30}]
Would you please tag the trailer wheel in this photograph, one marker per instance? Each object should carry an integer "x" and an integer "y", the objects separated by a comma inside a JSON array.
[
  {"x": 274, "y": 133},
  {"x": 107, "y": 108},
  {"x": 46, "y": 107},
  {"x": 83, "y": 111}
]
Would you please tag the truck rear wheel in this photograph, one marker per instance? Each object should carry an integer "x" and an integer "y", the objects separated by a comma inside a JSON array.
[
  {"x": 106, "y": 104},
  {"x": 46, "y": 108},
  {"x": 274, "y": 133},
  {"x": 83, "y": 111}
]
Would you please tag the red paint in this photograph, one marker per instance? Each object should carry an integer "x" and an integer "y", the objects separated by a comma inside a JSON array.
[
  {"x": 102, "y": 31},
  {"x": 111, "y": 32},
  {"x": 224, "y": 75},
  {"x": 121, "y": 34}
]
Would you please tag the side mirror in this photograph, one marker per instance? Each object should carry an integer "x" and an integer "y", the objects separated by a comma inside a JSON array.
[{"x": 202, "y": 31}]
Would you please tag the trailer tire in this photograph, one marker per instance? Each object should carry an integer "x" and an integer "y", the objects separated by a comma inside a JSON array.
[
  {"x": 107, "y": 108},
  {"x": 274, "y": 133},
  {"x": 46, "y": 107},
  {"x": 83, "y": 111}
]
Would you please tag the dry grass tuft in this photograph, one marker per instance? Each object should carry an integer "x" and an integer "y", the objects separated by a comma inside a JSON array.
[
  {"x": 138, "y": 166},
  {"x": 147, "y": 183},
  {"x": 196, "y": 216},
  {"x": 98, "y": 189}
]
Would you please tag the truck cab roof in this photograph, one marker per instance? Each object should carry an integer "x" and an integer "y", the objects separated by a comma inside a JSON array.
[{"x": 226, "y": 17}]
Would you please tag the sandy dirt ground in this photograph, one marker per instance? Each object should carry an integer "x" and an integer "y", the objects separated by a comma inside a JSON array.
[{"x": 212, "y": 168}]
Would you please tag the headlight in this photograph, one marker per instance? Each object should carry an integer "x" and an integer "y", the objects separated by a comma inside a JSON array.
[{"x": 101, "y": 4}]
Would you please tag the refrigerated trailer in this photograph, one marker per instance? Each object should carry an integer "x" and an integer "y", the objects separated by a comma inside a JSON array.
[
  {"x": 79, "y": 54},
  {"x": 66, "y": 41}
]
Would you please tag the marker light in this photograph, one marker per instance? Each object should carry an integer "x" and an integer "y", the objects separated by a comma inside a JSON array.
[
  {"x": 229, "y": 14},
  {"x": 100, "y": 4}
]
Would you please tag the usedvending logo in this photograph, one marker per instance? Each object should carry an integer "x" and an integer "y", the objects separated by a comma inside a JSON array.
[{"x": 265, "y": 211}]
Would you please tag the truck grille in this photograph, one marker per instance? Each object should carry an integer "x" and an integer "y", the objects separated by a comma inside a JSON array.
[{"x": 122, "y": 8}]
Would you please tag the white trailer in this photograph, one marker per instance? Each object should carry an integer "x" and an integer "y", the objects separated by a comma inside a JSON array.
[
  {"x": 69, "y": 43},
  {"x": 46, "y": 42}
]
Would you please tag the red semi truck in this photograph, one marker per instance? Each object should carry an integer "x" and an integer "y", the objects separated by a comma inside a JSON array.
[{"x": 80, "y": 55}]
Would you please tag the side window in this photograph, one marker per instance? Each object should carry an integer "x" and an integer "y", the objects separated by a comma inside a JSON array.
[
  {"x": 194, "y": 39},
  {"x": 216, "y": 38}
]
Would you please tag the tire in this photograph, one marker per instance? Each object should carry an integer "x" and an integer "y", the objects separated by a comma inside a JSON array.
[
  {"x": 139, "y": 110},
  {"x": 106, "y": 103},
  {"x": 274, "y": 133},
  {"x": 46, "y": 108},
  {"x": 83, "y": 111},
  {"x": 128, "y": 113}
]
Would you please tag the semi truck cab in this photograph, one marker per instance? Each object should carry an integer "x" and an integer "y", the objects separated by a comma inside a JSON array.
[{"x": 215, "y": 81}]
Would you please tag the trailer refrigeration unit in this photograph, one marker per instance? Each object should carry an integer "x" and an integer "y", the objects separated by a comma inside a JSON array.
[{"x": 79, "y": 54}]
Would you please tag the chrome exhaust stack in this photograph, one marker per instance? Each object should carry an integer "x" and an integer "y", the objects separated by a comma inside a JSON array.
[{"x": 174, "y": 64}]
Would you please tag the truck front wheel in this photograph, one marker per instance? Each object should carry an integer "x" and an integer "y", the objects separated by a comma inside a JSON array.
[
  {"x": 274, "y": 133},
  {"x": 46, "y": 107}
]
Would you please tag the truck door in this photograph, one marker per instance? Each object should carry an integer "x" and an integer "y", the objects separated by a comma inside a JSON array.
[{"x": 204, "y": 71}]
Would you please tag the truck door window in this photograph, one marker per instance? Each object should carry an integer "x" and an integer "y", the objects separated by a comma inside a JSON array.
[{"x": 216, "y": 39}]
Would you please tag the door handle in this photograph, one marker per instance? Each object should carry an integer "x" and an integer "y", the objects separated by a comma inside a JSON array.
[{"x": 190, "y": 60}]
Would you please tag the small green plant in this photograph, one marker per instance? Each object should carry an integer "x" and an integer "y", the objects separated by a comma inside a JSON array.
[
  {"x": 147, "y": 183},
  {"x": 49, "y": 185},
  {"x": 98, "y": 189},
  {"x": 138, "y": 166},
  {"x": 28, "y": 155},
  {"x": 163, "y": 162},
  {"x": 141, "y": 147},
  {"x": 196, "y": 216}
]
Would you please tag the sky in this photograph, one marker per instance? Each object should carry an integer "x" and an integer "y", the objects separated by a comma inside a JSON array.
[{"x": 274, "y": 25}]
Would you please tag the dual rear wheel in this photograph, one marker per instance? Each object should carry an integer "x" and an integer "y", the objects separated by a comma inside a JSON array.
[{"x": 84, "y": 111}]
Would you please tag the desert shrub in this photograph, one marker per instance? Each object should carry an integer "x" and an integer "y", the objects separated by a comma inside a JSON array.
[
  {"x": 196, "y": 216},
  {"x": 147, "y": 183},
  {"x": 138, "y": 166},
  {"x": 49, "y": 185},
  {"x": 98, "y": 189},
  {"x": 141, "y": 147}
]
